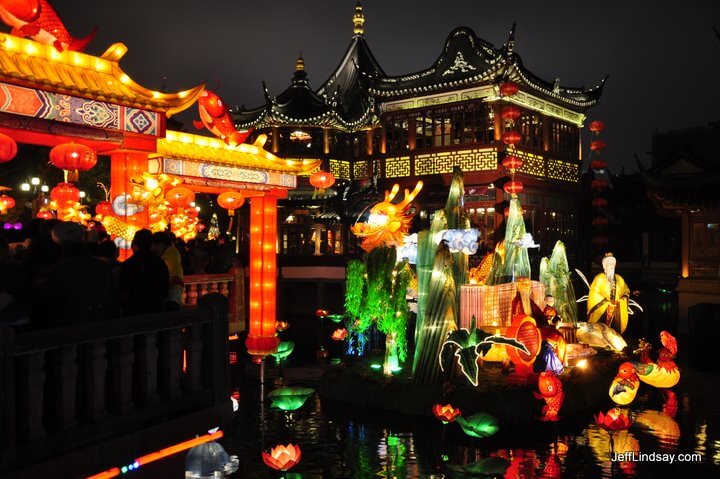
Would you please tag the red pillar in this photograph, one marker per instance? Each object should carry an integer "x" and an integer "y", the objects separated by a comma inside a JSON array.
[{"x": 262, "y": 338}]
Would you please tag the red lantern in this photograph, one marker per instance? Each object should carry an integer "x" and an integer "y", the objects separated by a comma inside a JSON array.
[
  {"x": 599, "y": 203},
  {"x": 104, "y": 208},
  {"x": 6, "y": 203},
  {"x": 599, "y": 221},
  {"x": 600, "y": 240},
  {"x": 597, "y": 164},
  {"x": 613, "y": 420},
  {"x": 8, "y": 148},
  {"x": 597, "y": 126},
  {"x": 282, "y": 458},
  {"x": 45, "y": 215},
  {"x": 446, "y": 413},
  {"x": 598, "y": 184},
  {"x": 231, "y": 200},
  {"x": 512, "y": 162},
  {"x": 179, "y": 197},
  {"x": 322, "y": 180},
  {"x": 510, "y": 112},
  {"x": 597, "y": 145},
  {"x": 321, "y": 313},
  {"x": 511, "y": 137},
  {"x": 339, "y": 334},
  {"x": 73, "y": 157},
  {"x": 65, "y": 192},
  {"x": 513, "y": 187},
  {"x": 508, "y": 88}
]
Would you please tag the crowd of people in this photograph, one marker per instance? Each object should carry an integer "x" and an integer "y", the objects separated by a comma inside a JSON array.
[{"x": 61, "y": 273}]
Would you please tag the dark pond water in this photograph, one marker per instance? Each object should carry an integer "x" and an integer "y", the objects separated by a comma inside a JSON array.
[{"x": 340, "y": 442}]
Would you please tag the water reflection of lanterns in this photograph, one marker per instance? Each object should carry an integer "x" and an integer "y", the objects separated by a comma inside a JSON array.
[
  {"x": 8, "y": 148},
  {"x": 282, "y": 458},
  {"x": 73, "y": 158}
]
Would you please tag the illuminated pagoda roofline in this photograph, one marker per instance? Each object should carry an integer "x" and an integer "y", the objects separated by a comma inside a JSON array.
[
  {"x": 469, "y": 61},
  {"x": 31, "y": 64}
]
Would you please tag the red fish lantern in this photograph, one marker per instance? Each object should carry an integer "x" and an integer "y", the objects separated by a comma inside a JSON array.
[
  {"x": 73, "y": 158},
  {"x": 614, "y": 420},
  {"x": 179, "y": 197},
  {"x": 231, "y": 200},
  {"x": 509, "y": 88},
  {"x": 513, "y": 187},
  {"x": 65, "y": 192},
  {"x": 6, "y": 203},
  {"x": 8, "y": 148},
  {"x": 597, "y": 126},
  {"x": 214, "y": 116},
  {"x": 511, "y": 137},
  {"x": 446, "y": 413},
  {"x": 282, "y": 458},
  {"x": 551, "y": 390},
  {"x": 510, "y": 112}
]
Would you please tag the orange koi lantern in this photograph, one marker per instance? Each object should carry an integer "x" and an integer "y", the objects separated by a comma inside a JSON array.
[
  {"x": 179, "y": 197},
  {"x": 322, "y": 180},
  {"x": 25, "y": 10},
  {"x": 65, "y": 192},
  {"x": 597, "y": 145},
  {"x": 596, "y": 126},
  {"x": 511, "y": 137},
  {"x": 598, "y": 164},
  {"x": 6, "y": 203},
  {"x": 446, "y": 413},
  {"x": 599, "y": 203},
  {"x": 8, "y": 148},
  {"x": 509, "y": 88},
  {"x": 45, "y": 215},
  {"x": 510, "y": 113},
  {"x": 513, "y": 187},
  {"x": 512, "y": 163},
  {"x": 73, "y": 158},
  {"x": 231, "y": 200},
  {"x": 282, "y": 458}
]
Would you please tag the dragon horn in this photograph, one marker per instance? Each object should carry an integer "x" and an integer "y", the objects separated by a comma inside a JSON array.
[
  {"x": 410, "y": 196},
  {"x": 390, "y": 195}
]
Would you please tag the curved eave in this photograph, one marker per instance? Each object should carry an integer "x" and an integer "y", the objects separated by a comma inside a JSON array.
[
  {"x": 40, "y": 66},
  {"x": 357, "y": 45},
  {"x": 331, "y": 119},
  {"x": 181, "y": 145}
]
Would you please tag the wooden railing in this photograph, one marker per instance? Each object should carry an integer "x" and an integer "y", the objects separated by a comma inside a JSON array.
[
  {"x": 66, "y": 388},
  {"x": 231, "y": 285}
]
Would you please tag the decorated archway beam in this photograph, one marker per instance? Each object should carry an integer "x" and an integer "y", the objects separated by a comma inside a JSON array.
[
  {"x": 51, "y": 133},
  {"x": 41, "y": 67}
]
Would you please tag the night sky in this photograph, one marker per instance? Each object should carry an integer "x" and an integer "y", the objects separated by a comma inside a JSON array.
[{"x": 664, "y": 63}]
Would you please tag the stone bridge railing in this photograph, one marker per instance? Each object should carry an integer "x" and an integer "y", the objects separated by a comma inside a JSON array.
[
  {"x": 67, "y": 389},
  {"x": 231, "y": 285}
]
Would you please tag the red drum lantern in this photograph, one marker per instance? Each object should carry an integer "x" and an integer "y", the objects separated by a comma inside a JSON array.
[
  {"x": 598, "y": 184},
  {"x": 65, "y": 192},
  {"x": 322, "y": 180},
  {"x": 597, "y": 126},
  {"x": 599, "y": 203},
  {"x": 8, "y": 148},
  {"x": 511, "y": 137},
  {"x": 510, "y": 112},
  {"x": 513, "y": 187},
  {"x": 6, "y": 203},
  {"x": 512, "y": 162},
  {"x": 599, "y": 221},
  {"x": 179, "y": 197},
  {"x": 600, "y": 240},
  {"x": 73, "y": 157},
  {"x": 597, "y": 145},
  {"x": 598, "y": 164},
  {"x": 230, "y": 200},
  {"x": 509, "y": 88},
  {"x": 45, "y": 215}
]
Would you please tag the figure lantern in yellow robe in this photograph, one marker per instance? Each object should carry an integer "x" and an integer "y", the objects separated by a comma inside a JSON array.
[{"x": 608, "y": 297}]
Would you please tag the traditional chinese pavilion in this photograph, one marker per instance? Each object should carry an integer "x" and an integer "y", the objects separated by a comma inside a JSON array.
[{"x": 363, "y": 124}]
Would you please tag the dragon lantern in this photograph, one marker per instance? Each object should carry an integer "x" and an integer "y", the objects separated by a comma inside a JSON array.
[{"x": 388, "y": 222}]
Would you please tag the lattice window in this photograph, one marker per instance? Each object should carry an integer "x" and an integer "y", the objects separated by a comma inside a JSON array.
[
  {"x": 397, "y": 167},
  {"x": 340, "y": 168},
  {"x": 443, "y": 162},
  {"x": 360, "y": 169},
  {"x": 532, "y": 164},
  {"x": 563, "y": 170}
]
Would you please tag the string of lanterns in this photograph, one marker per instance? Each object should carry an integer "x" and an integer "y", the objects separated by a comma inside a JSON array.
[
  {"x": 511, "y": 137},
  {"x": 598, "y": 185}
]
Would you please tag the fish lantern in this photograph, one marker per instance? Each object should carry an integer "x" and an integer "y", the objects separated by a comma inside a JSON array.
[
  {"x": 614, "y": 420},
  {"x": 597, "y": 126},
  {"x": 179, "y": 197},
  {"x": 25, "y": 10},
  {"x": 513, "y": 187},
  {"x": 64, "y": 193},
  {"x": 511, "y": 137},
  {"x": 512, "y": 163},
  {"x": 231, "y": 200},
  {"x": 509, "y": 88},
  {"x": 625, "y": 385},
  {"x": 510, "y": 112},
  {"x": 73, "y": 158},
  {"x": 8, "y": 148},
  {"x": 282, "y": 458},
  {"x": 6, "y": 203},
  {"x": 322, "y": 180},
  {"x": 551, "y": 390},
  {"x": 446, "y": 413}
]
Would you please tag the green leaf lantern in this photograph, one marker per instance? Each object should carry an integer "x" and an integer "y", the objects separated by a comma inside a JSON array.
[
  {"x": 285, "y": 349},
  {"x": 480, "y": 424},
  {"x": 290, "y": 399},
  {"x": 336, "y": 318}
]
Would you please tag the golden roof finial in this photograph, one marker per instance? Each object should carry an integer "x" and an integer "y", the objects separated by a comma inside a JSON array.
[
  {"x": 299, "y": 63},
  {"x": 358, "y": 20}
]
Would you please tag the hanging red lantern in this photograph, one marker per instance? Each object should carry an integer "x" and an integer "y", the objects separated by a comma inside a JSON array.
[
  {"x": 322, "y": 180},
  {"x": 6, "y": 203},
  {"x": 104, "y": 208},
  {"x": 8, "y": 148},
  {"x": 179, "y": 197},
  {"x": 45, "y": 215},
  {"x": 510, "y": 112},
  {"x": 599, "y": 203},
  {"x": 509, "y": 88},
  {"x": 600, "y": 240},
  {"x": 513, "y": 187},
  {"x": 599, "y": 221},
  {"x": 597, "y": 164},
  {"x": 73, "y": 157},
  {"x": 231, "y": 200},
  {"x": 597, "y": 145},
  {"x": 598, "y": 184},
  {"x": 512, "y": 162},
  {"x": 65, "y": 192},
  {"x": 511, "y": 137},
  {"x": 597, "y": 126}
]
